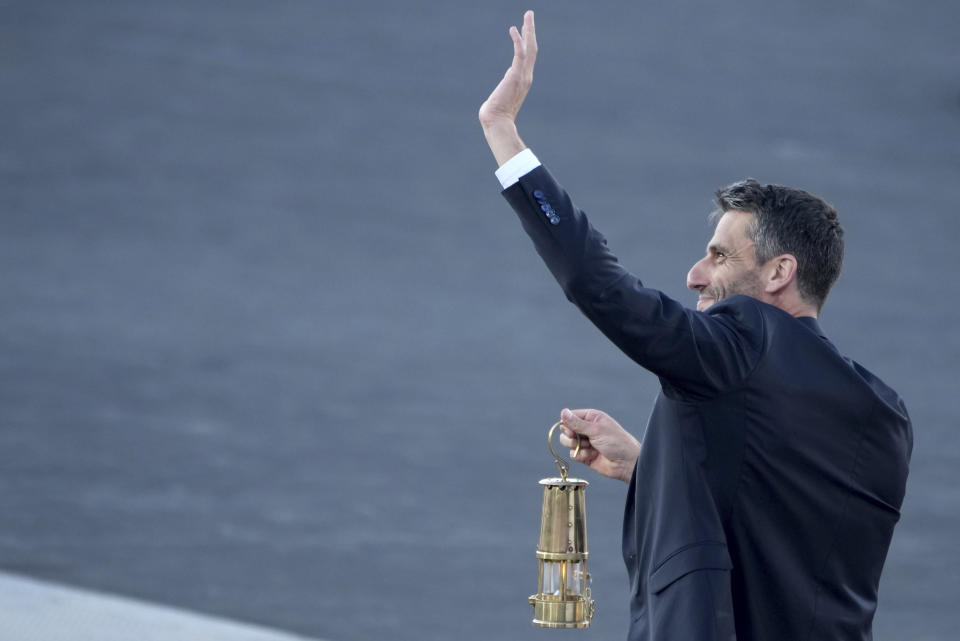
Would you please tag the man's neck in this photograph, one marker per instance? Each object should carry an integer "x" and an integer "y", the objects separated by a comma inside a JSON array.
[
  {"x": 800, "y": 309},
  {"x": 793, "y": 305}
]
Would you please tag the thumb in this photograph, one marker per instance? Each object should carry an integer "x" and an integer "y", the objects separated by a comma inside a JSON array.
[{"x": 575, "y": 423}]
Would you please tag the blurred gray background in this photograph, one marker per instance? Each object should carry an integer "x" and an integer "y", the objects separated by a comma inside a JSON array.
[{"x": 273, "y": 347}]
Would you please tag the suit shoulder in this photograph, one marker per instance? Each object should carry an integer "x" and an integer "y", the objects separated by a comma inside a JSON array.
[
  {"x": 885, "y": 394},
  {"x": 745, "y": 316}
]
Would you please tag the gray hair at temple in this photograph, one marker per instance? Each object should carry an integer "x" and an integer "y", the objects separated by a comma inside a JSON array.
[{"x": 790, "y": 221}]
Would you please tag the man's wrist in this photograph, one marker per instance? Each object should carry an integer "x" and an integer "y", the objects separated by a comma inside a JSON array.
[{"x": 503, "y": 138}]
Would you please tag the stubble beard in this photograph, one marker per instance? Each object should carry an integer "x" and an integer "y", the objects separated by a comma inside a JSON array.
[{"x": 749, "y": 285}]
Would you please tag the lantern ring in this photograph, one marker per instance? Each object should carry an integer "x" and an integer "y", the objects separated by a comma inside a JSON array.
[{"x": 562, "y": 464}]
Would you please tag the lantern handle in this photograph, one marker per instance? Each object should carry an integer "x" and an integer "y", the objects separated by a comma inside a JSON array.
[{"x": 562, "y": 464}]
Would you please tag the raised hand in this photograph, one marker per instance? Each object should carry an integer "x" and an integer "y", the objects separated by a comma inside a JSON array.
[
  {"x": 498, "y": 113},
  {"x": 605, "y": 446}
]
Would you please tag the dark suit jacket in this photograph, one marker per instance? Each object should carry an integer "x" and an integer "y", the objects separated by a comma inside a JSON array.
[{"x": 772, "y": 469}]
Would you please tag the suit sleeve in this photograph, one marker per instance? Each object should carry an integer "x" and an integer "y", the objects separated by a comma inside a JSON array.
[{"x": 695, "y": 354}]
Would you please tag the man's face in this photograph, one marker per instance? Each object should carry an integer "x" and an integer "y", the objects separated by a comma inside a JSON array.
[{"x": 729, "y": 267}]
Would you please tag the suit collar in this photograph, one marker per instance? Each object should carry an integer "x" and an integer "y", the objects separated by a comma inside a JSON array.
[
  {"x": 809, "y": 322},
  {"x": 813, "y": 325}
]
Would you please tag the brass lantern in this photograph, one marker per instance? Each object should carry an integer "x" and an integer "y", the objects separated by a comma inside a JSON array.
[{"x": 564, "y": 597}]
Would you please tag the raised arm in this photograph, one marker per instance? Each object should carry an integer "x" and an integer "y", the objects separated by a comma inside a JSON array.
[
  {"x": 694, "y": 354},
  {"x": 498, "y": 113}
]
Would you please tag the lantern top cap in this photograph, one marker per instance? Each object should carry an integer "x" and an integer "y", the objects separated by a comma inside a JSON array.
[{"x": 564, "y": 482}]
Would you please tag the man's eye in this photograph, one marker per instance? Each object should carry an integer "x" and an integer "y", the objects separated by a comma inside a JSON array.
[{"x": 720, "y": 256}]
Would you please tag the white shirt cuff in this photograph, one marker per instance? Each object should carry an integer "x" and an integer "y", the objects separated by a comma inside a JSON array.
[{"x": 521, "y": 164}]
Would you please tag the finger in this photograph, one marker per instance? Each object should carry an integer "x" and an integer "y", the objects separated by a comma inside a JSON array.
[
  {"x": 570, "y": 440},
  {"x": 583, "y": 456},
  {"x": 529, "y": 29},
  {"x": 567, "y": 434},
  {"x": 517, "y": 40}
]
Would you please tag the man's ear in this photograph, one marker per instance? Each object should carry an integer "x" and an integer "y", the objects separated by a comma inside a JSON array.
[{"x": 780, "y": 273}]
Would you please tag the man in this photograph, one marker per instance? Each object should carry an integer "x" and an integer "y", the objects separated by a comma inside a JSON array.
[{"x": 764, "y": 496}]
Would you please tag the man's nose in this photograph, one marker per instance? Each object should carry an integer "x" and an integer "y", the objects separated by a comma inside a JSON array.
[{"x": 697, "y": 276}]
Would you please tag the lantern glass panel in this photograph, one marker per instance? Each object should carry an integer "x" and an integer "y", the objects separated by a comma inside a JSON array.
[
  {"x": 551, "y": 578},
  {"x": 575, "y": 578},
  {"x": 558, "y": 573}
]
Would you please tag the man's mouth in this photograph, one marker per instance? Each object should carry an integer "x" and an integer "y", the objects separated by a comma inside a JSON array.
[{"x": 704, "y": 302}]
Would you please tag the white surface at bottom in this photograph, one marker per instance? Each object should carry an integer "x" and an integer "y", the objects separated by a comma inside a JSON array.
[{"x": 32, "y": 610}]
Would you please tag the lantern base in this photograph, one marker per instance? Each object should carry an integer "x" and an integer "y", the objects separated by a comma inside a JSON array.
[{"x": 552, "y": 612}]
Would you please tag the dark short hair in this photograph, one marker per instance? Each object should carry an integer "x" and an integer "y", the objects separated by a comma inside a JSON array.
[{"x": 790, "y": 221}]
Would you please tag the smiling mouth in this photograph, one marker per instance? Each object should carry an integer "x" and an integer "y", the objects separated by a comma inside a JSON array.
[{"x": 704, "y": 302}]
